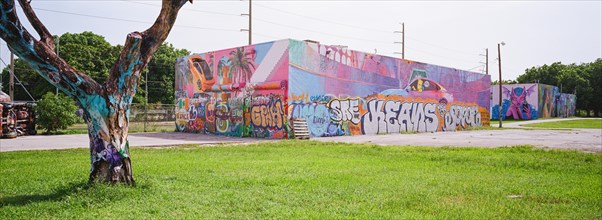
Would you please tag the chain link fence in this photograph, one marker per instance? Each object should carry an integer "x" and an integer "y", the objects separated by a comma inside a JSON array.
[{"x": 152, "y": 117}]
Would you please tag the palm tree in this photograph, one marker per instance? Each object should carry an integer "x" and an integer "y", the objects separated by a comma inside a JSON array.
[
  {"x": 241, "y": 66},
  {"x": 223, "y": 67}
]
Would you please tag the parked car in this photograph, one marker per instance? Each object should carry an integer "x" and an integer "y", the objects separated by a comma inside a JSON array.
[{"x": 424, "y": 88}]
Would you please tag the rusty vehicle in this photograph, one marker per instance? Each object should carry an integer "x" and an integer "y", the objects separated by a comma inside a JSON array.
[{"x": 17, "y": 118}]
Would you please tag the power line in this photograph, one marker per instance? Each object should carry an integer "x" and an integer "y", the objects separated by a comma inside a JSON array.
[
  {"x": 358, "y": 27},
  {"x": 185, "y": 9},
  {"x": 19, "y": 81},
  {"x": 321, "y": 20},
  {"x": 266, "y": 21},
  {"x": 133, "y": 21}
]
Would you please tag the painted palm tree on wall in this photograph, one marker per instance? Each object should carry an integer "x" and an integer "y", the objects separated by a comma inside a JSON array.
[
  {"x": 241, "y": 66},
  {"x": 223, "y": 67}
]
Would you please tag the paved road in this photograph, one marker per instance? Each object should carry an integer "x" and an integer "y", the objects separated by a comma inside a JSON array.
[
  {"x": 43, "y": 142},
  {"x": 582, "y": 139}
]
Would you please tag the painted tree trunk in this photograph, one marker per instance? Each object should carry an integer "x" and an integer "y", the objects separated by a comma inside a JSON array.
[
  {"x": 109, "y": 149},
  {"x": 106, "y": 107}
]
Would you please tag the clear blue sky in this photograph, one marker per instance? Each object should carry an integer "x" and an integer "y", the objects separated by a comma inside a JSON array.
[{"x": 448, "y": 33}]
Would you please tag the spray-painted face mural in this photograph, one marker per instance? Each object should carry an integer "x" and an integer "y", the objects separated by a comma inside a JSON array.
[
  {"x": 255, "y": 90},
  {"x": 519, "y": 102},
  {"x": 530, "y": 101},
  {"x": 518, "y": 106}
]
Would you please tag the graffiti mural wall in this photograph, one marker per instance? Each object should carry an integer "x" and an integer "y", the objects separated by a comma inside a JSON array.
[
  {"x": 531, "y": 101},
  {"x": 255, "y": 90},
  {"x": 345, "y": 92},
  {"x": 566, "y": 105},
  {"x": 235, "y": 92},
  {"x": 547, "y": 96}
]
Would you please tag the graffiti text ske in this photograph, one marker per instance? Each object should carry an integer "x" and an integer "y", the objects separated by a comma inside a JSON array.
[{"x": 345, "y": 110}]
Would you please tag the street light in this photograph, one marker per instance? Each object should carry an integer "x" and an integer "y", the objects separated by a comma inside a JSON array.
[{"x": 499, "y": 58}]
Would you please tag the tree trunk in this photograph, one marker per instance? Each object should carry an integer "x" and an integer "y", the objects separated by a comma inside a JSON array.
[
  {"x": 109, "y": 147},
  {"x": 106, "y": 107}
]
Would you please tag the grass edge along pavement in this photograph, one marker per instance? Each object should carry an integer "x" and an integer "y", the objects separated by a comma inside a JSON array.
[
  {"x": 309, "y": 179},
  {"x": 551, "y": 124},
  {"x": 569, "y": 124}
]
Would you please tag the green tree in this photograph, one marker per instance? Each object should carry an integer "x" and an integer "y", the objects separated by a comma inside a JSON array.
[
  {"x": 506, "y": 82},
  {"x": 546, "y": 74},
  {"x": 583, "y": 80},
  {"x": 594, "y": 77},
  {"x": 30, "y": 80},
  {"x": 55, "y": 112},
  {"x": 161, "y": 76},
  {"x": 86, "y": 52},
  {"x": 574, "y": 79}
]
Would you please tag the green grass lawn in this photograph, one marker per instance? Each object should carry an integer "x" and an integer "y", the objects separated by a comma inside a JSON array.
[
  {"x": 579, "y": 123},
  {"x": 307, "y": 179},
  {"x": 135, "y": 127}
]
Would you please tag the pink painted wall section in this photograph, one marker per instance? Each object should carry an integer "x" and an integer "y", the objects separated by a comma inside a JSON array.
[
  {"x": 345, "y": 92},
  {"x": 236, "y": 92}
]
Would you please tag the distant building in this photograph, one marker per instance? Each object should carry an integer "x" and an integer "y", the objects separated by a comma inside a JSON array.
[
  {"x": 531, "y": 101},
  {"x": 256, "y": 90}
]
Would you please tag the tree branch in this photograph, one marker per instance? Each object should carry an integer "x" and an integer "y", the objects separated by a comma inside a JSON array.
[
  {"x": 156, "y": 34},
  {"x": 45, "y": 35},
  {"x": 41, "y": 57},
  {"x": 139, "y": 49}
]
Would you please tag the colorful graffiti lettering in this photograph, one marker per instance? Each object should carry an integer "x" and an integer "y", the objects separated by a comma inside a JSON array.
[
  {"x": 269, "y": 115},
  {"x": 255, "y": 90},
  {"x": 462, "y": 116},
  {"x": 345, "y": 110},
  {"x": 317, "y": 117},
  {"x": 385, "y": 117},
  {"x": 320, "y": 98}
]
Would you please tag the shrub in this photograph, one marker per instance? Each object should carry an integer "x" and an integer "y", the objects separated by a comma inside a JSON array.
[{"x": 55, "y": 112}]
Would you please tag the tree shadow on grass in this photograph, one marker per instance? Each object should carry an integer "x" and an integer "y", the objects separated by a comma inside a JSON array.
[{"x": 58, "y": 194}]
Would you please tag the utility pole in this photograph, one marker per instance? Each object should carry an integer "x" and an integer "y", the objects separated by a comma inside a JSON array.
[
  {"x": 486, "y": 61},
  {"x": 145, "y": 98},
  {"x": 403, "y": 49},
  {"x": 403, "y": 35},
  {"x": 499, "y": 57},
  {"x": 250, "y": 22},
  {"x": 58, "y": 44},
  {"x": 250, "y": 30},
  {"x": 11, "y": 78},
  {"x": 1, "y": 73}
]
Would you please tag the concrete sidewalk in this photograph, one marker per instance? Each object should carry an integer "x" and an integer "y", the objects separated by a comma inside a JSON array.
[
  {"x": 155, "y": 139},
  {"x": 589, "y": 140}
]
